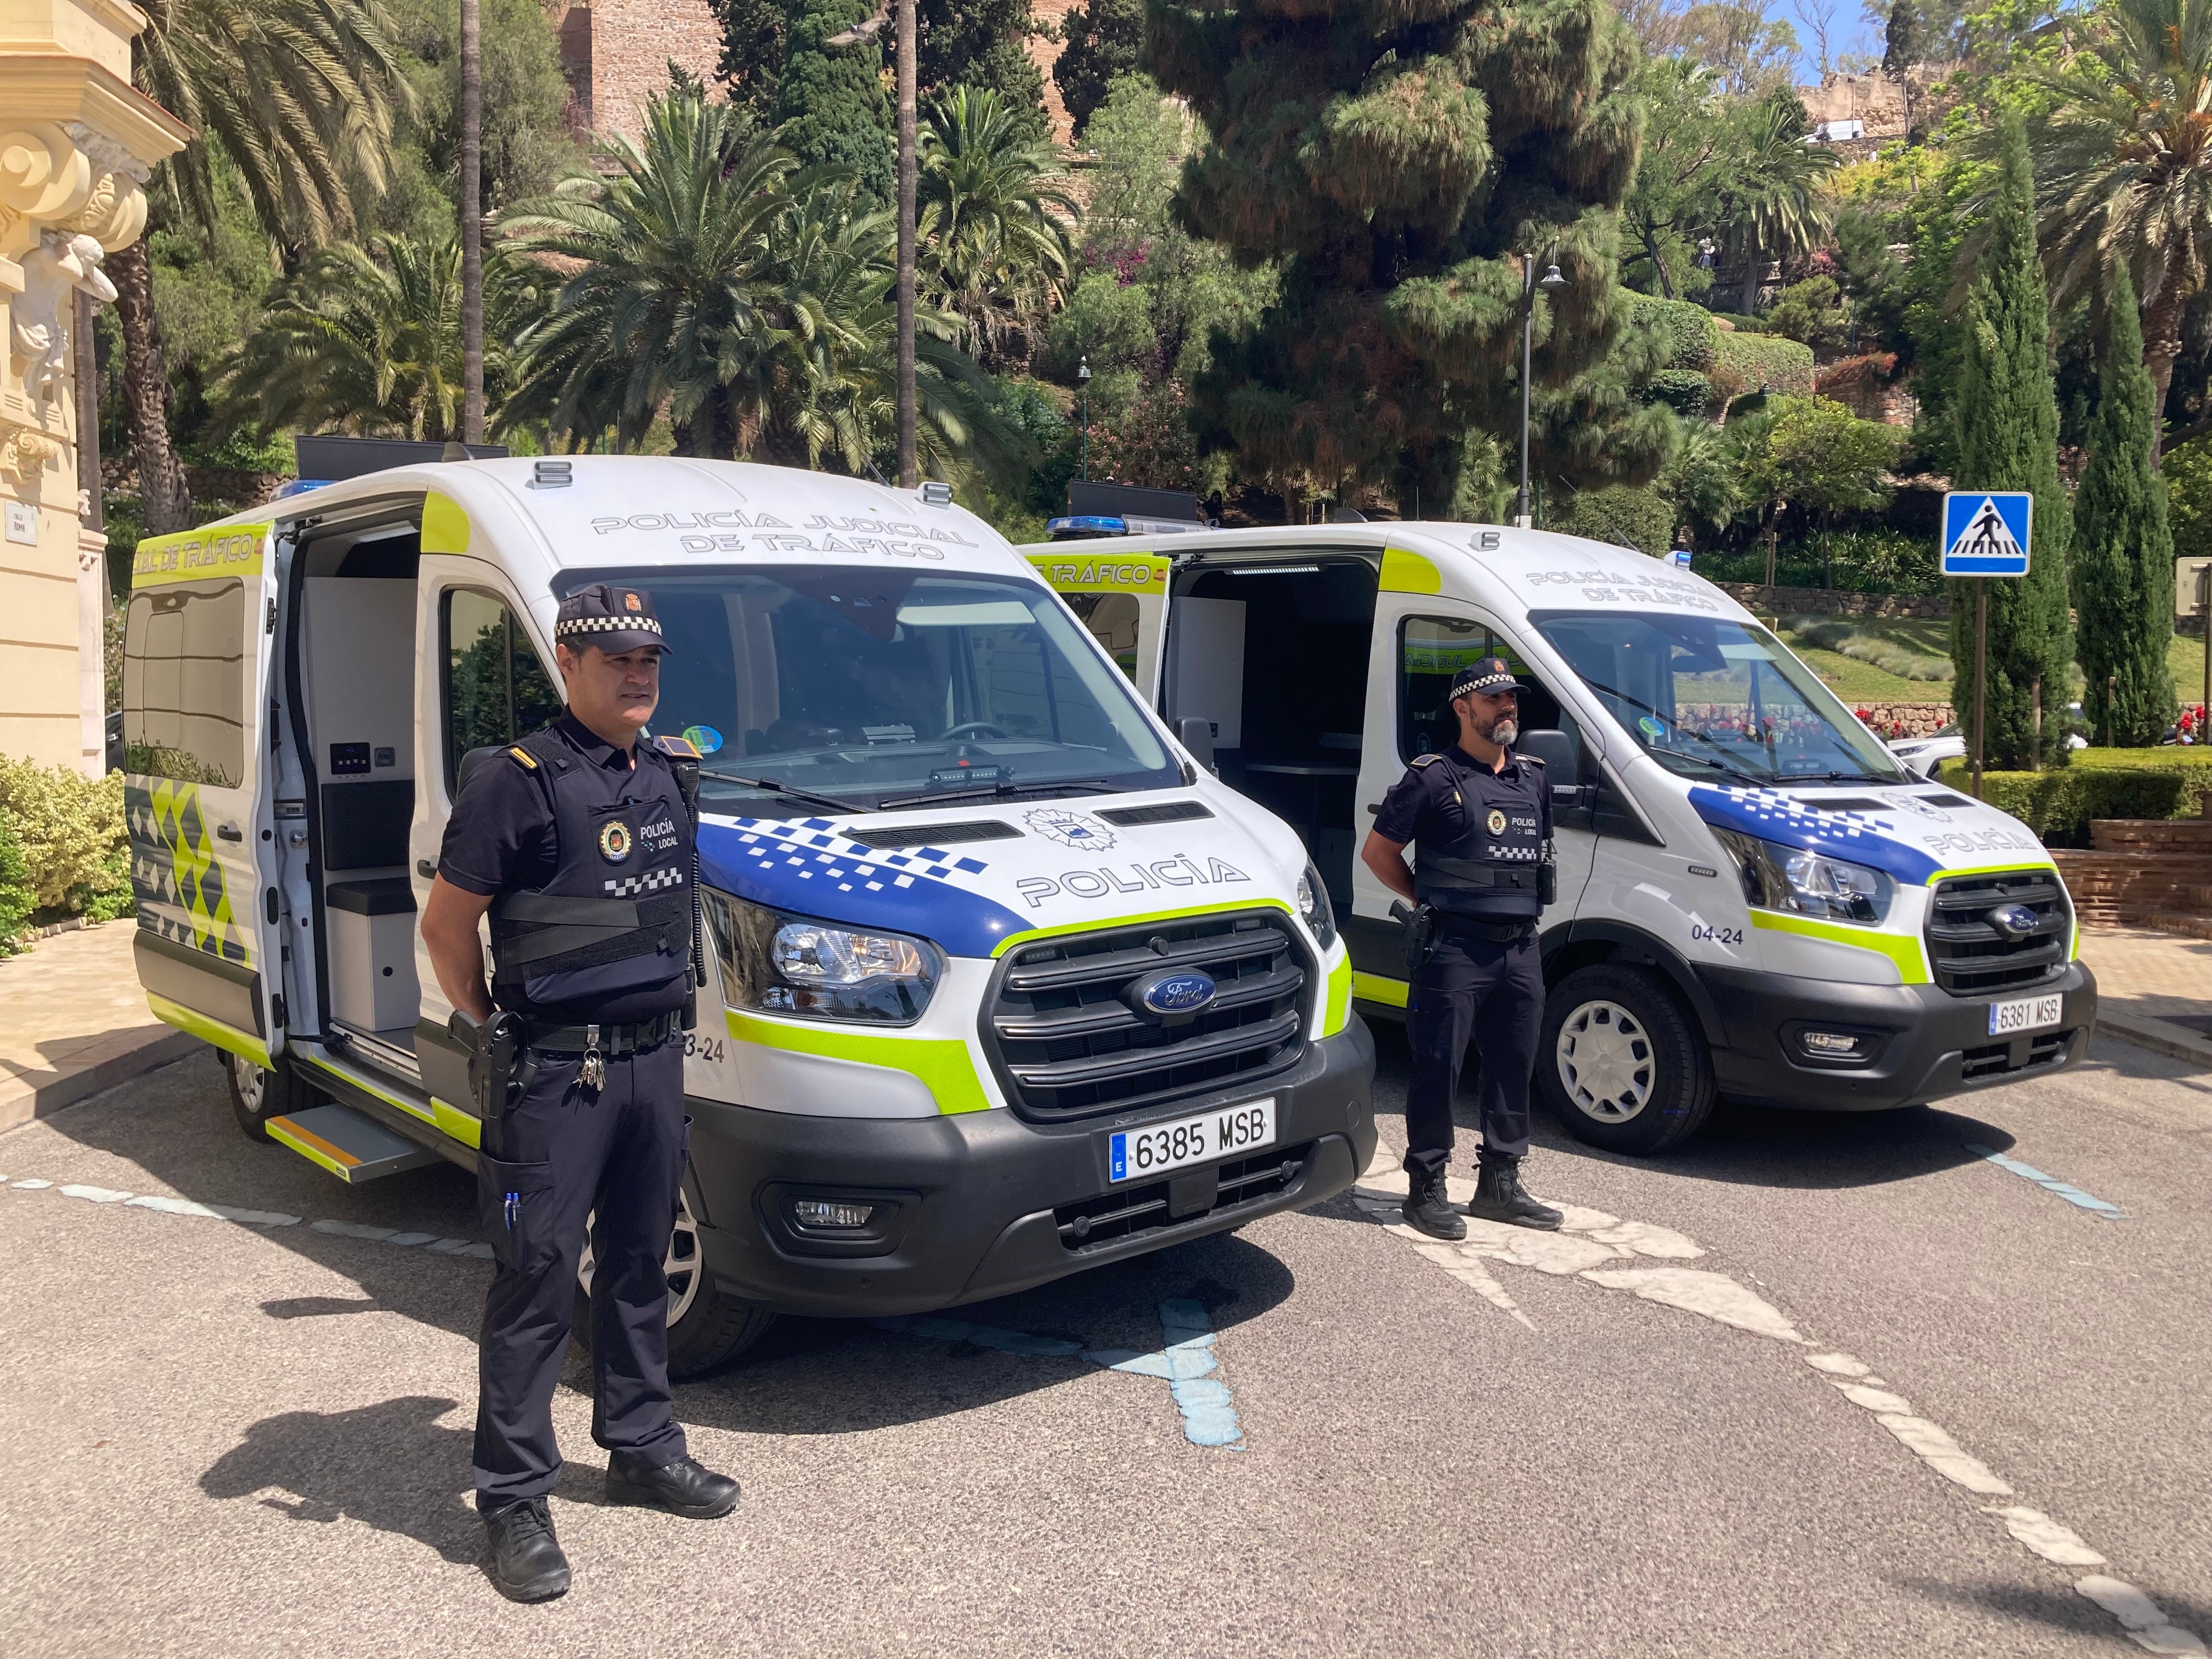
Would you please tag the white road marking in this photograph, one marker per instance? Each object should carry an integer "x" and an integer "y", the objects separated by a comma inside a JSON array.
[
  {"x": 161, "y": 1204},
  {"x": 2144, "y": 1620},
  {"x": 1587, "y": 1237}
]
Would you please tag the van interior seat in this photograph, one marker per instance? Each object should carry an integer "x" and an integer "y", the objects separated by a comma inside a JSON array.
[{"x": 379, "y": 895}]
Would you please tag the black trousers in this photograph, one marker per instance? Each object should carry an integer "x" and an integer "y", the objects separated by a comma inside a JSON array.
[
  {"x": 1494, "y": 994},
  {"x": 568, "y": 1150}
]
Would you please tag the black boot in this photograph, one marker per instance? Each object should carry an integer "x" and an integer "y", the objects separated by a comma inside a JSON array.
[
  {"x": 1427, "y": 1210},
  {"x": 1499, "y": 1196},
  {"x": 526, "y": 1563},
  {"x": 681, "y": 1487}
]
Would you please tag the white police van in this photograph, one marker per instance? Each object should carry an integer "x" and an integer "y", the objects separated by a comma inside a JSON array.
[
  {"x": 1003, "y": 984},
  {"x": 1756, "y": 900}
]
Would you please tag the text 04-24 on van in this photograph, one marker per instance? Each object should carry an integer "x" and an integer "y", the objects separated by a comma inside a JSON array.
[
  {"x": 1755, "y": 900},
  {"x": 1004, "y": 985}
]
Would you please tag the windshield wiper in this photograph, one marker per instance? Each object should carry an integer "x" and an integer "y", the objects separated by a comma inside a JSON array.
[
  {"x": 776, "y": 787},
  {"x": 1753, "y": 779},
  {"x": 1005, "y": 791}
]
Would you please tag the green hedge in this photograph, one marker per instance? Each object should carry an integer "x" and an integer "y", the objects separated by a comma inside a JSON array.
[
  {"x": 1685, "y": 390},
  {"x": 1637, "y": 519},
  {"x": 68, "y": 831},
  {"x": 1689, "y": 329},
  {"x": 17, "y": 901},
  {"x": 2059, "y": 806},
  {"x": 1760, "y": 359}
]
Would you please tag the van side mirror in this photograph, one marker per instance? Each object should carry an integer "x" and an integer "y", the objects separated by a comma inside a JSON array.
[
  {"x": 1563, "y": 758},
  {"x": 1196, "y": 735}
]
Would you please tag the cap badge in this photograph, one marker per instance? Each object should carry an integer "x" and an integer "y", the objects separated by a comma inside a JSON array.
[{"x": 630, "y": 602}]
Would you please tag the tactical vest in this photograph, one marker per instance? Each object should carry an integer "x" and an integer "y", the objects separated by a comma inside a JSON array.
[
  {"x": 608, "y": 938},
  {"x": 1486, "y": 858}
]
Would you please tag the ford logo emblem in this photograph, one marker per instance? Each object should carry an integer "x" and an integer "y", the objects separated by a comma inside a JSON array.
[
  {"x": 2014, "y": 921},
  {"x": 1184, "y": 992}
]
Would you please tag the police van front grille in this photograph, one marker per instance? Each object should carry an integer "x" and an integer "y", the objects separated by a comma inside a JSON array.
[
  {"x": 1971, "y": 957},
  {"x": 1066, "y": 1041}
]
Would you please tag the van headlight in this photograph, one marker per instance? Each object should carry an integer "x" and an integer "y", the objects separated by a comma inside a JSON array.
[
  {"x": 779, "y": 963},
  {"x": 1313, "y": 905},
  {"x": 1777, "y": 877}
]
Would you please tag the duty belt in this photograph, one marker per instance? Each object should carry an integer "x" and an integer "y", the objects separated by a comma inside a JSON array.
[
  {"x": 1501, "y": 930},
  {"x": 613, "y": 1042}
]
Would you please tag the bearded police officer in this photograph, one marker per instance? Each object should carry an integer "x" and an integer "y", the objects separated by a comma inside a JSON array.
[
  {"x": 1480, "y": 818},
  {"x": 579, "y": 841}
]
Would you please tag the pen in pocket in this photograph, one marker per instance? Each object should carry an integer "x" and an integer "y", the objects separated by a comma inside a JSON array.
[{"x": 513, "y": 1210}]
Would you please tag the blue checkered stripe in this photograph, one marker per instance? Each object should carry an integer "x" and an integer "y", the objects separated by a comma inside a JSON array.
[
  {"x": 811, "y": 851},
  {"x": 808, "y": 868},
  {"x": 1516, "y": 854},
  {"x": 644, "y": 881},
  {"x": 1772, "y": 816}
]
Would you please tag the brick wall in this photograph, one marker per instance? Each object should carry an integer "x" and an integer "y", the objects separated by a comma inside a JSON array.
[{"x": 617, "y": 54}]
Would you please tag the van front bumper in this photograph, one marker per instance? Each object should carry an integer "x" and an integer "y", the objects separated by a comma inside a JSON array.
[
  {"x": 973, "y": 1197},
  {"x": 1929, "y": 1044}
]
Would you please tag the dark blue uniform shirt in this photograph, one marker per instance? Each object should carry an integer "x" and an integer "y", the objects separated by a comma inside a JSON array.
[
  {"x": 500, "y": 834},
  {"x": 1453, "y": 804}
]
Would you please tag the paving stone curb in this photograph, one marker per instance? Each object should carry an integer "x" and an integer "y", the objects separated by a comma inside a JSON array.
[{"x": 130, "y": 1054}]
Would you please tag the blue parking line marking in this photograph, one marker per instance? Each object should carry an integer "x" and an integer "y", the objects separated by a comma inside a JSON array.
[
  {"x": 1185, "y": 1361},
  {"x": 2050, "y": 1184}
]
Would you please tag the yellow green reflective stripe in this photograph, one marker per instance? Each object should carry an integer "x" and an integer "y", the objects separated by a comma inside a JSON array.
[
  {"x": 1104, "y": 923},
  {"x": 1373, "y": 987},
  {"x": 312, "y": 1147},
  {"x": 1338, "y": 1011},
  {"x": 1122, "y": 573},
  {"x": 228, "y": 550},
  {"x": 2014, "y": 869},
  {"x": 445, "y": 525},
  {"x": 944, "y": 1064},
  {"x": 228, "y": 1038},
  {"x": 368, "y": 1088},
  {"x": 1409, "y": 573},
  {"x": 457, "y": 1123},
  {"x": 1902, "y": 949}
]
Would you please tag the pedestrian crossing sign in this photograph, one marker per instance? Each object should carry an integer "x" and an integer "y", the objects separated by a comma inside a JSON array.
[{"x": 1985, "y": 532}]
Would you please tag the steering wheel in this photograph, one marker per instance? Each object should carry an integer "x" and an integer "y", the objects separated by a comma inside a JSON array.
[{"x": 971, "y": 729}]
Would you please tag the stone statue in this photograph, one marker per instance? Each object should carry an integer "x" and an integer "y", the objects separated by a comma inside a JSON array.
[{"x": 64, "y": 263}]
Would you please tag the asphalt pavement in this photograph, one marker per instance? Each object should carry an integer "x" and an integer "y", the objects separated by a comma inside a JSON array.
[{"x": 1812, "y": 1385}]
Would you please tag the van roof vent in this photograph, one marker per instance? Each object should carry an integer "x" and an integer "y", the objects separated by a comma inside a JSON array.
[{"x": 930, "y": 835}]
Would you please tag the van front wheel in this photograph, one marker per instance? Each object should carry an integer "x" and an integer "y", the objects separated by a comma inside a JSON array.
[
  {"x": 707, "y": 1327},
  {"x": 1620, "y": 1062},
  {"x": 258, "y": 1093}
]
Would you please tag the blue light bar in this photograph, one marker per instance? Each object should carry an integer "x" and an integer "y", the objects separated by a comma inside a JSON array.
[{"x": 1087, "y": 523}]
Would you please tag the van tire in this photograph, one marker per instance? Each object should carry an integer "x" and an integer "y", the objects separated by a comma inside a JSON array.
[
  {"x": 710, "y": 1329},
  {"x": 1643, "y": 1081},
  {"x": 258, "y": 1093}
]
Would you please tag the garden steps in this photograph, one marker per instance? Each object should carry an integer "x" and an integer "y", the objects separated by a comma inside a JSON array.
[
  {"x": 2180, "y": 836},
  {"x": 2137, "y": 887}
]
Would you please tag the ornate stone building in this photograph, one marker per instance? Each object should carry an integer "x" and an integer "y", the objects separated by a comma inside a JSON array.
[{"x": 77, "y": 143}]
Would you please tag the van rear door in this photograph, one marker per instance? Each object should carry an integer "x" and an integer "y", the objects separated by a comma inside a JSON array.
[
  {"x": 197, "y": 648},
  {"x": 1121, "y": 597}
]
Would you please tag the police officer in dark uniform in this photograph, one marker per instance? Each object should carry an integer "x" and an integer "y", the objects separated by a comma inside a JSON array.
[
  {"x": 1480, "y": 818},
  {"x": 579, "y": 841}
]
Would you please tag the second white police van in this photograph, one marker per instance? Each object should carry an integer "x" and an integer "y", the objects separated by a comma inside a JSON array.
[
  {"x": 1003, "y": 984},
  {"x": 1756, "y": 900}
]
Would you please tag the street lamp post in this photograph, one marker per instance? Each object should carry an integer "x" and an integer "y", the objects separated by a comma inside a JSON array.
[
  {"x": 1530, "y": 284},
  {"x": 1083, "y": 381}
]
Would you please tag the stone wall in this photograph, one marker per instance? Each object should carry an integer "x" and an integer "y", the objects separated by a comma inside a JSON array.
[
  {"x": 617, "y": 54},
  {"x": 1827, "y": 602},
  {"x": 1905, "y": 720}
]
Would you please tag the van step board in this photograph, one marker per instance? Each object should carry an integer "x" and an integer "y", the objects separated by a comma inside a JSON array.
[{"x": 352, "y": 1146}]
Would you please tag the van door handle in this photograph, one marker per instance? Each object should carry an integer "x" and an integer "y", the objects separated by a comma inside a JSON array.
[
  {"x": 425, "y": 869},
  {"x": 229, "y": 832}
]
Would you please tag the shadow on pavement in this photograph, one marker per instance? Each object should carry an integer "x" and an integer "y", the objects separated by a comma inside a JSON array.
[
  {"x": 391, "y": 1466},
  {"x": 810, "y": 1375},
  {"x": 2058, "y": 1609},
  {"x": 1748, "y": 1145}
]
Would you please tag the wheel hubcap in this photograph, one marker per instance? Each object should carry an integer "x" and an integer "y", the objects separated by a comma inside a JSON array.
[
  {"x": 681, "y": 1264},
  {"x": 252, "y": 1082},
  {"x": 1605, "y": 1062}
]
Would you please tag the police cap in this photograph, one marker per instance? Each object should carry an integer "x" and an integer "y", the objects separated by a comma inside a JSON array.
[
  {"x": 612, "y": 618},
  {"x": 1489, "y": 676}
]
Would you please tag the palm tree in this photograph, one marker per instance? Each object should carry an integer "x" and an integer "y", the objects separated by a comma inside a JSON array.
[
  {"x": 370, "y": 341},
  {"x": 300, "y": 94},
  {"x": 677, "y": 302},
  {"x": 2123, "y": 164},
  {"x": 995, "y": 248},
  {"x": 748, "y": 300},
  {"x": 1773, "y": 206}
]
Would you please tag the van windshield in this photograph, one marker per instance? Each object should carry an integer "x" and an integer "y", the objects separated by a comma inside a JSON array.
[
  {"x": 884, "y": 687},
  {"x": 1711, "y": 698}
]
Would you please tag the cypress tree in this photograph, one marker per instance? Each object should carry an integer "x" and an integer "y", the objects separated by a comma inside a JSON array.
[
  {"x": 2008, "y": 416},
  {"x": 1394, "y": 156},
  {"x": 2123, "y": 546},
  {"x": 829, "y": 102},
  {"x": 1105, "y": 39}
]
